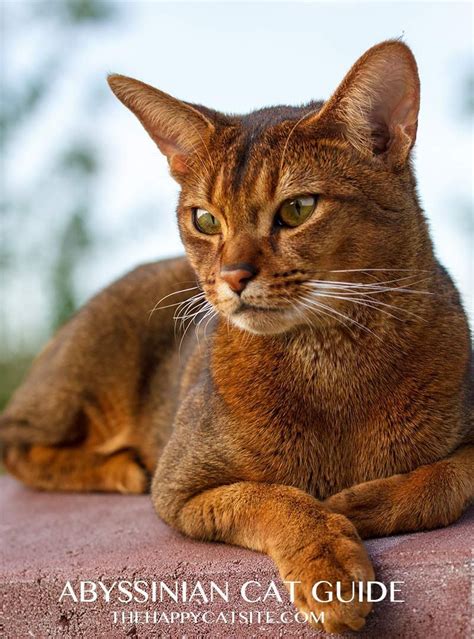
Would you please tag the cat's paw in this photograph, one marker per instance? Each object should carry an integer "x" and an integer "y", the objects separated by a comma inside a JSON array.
[
  {"x": 122, "y": 473},
  {"x": 401, "y": 503},
  {"x": 367, "y": 506},
  {"x": 336, "y": 556}
]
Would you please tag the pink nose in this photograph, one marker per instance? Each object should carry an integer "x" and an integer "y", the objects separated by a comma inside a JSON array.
[{"x": 238, "y": 275}]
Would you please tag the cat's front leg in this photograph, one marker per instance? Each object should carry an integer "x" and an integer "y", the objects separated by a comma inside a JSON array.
[
  {"x": 307, "y": 542},
  {"x": 432, "y": 496}
]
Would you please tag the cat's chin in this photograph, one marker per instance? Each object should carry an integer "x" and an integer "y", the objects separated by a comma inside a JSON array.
[{"x": 265, "y": 323}]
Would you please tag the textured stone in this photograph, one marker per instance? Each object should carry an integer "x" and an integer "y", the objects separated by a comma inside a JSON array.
[{"x": 48, "y": 539}]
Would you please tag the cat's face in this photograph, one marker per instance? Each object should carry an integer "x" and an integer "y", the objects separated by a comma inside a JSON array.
[
  {"x": 275, "y": 212},
  {"x": 288, "y": 201}
]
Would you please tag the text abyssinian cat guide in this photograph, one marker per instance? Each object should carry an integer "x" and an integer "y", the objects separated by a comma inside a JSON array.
[{"x": 328, "y": 398}]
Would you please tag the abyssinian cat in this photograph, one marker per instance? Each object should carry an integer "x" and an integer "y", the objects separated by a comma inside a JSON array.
[{"x": 329, "y": 399}]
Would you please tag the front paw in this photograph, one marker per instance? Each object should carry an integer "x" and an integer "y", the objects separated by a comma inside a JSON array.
[
  {"x": 334, "y": 554},
  {"x": 368, "y": 506}
]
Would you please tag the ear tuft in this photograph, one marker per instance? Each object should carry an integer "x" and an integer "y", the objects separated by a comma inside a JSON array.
[{"x": 377, "y": 103}]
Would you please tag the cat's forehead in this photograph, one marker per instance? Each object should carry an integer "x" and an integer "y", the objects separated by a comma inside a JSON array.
[
  {"x": 268, "y": 117},
  {"x": 248, "y": 164},
  {"x": 245, "y": 178}
]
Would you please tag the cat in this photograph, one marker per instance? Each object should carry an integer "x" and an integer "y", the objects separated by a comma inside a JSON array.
[{"x": 328, "y": 397}]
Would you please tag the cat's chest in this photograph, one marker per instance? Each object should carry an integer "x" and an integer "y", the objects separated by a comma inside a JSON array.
[
  {"x": 298, "y": 386},
  {"x": 290, "y": 429},
  {"x": 296, "y": 447},
  {"x": 318, "y": 440},
  {"x": 322, "y": 456},
  {"x": 312, "y": 417}
]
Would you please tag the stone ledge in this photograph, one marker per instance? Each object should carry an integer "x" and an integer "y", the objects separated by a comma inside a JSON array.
[{"x": 48, "y": 539}]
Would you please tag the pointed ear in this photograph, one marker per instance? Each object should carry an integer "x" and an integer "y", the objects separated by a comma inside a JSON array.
[
  {"x": 376, "y": 106},
  {"x": 178, "y": 128}
]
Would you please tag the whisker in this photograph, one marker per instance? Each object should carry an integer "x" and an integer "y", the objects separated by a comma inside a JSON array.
[
  {"x": 366, "y": 288},
  {"x": 193, "y": 317},
  {"x": 184, "y": 335},
  {"x": 373, "y": 304},
  {"x": 309, "y": 308},
  {"x": 350, "y": 319},
  {"x": 183, "y": 313},
  {"x": 208, "y": 308},
  {"x": 213, "y": 315},
  {"x": 183, "y": 290},
  {"x": 377, "y": 282},
  {"x": 182, "y": 310},
  {"x": 171, "y": 305},
  {"x": 294, "y": 306},
  {"x": 316, "y": 309},
  {"x": 362, "y": 298},
  {"x": 369, "y": 270}
]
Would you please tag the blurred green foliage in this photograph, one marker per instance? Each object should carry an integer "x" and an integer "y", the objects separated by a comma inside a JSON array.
[
  {"x": 56, "y": 249},
  {"x": 78, "y": 12}
]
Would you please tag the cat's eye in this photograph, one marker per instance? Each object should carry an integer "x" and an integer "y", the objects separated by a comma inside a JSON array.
[
  {"x": 296, "y": 211},
  {"x": 205, "y": 222}
]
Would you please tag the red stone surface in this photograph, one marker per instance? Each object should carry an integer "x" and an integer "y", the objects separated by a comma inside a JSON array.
[{"x": 47, "y": 539}]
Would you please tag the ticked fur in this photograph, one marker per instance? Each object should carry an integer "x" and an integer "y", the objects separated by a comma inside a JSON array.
[{"x": 329, "y": 399}]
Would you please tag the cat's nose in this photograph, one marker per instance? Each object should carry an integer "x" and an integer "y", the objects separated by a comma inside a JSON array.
[{"x": 238, "y": 276}]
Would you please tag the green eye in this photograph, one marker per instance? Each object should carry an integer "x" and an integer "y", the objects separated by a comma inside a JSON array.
[
  {"x": 295, "y": 212},
  {"x": 205, "y": 222}
]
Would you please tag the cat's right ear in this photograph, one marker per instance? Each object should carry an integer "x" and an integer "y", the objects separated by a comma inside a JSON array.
[{"x": 177, "y": 127}]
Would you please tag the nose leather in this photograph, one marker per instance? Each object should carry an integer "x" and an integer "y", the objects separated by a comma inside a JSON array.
[{"x": 237, "y": 276}]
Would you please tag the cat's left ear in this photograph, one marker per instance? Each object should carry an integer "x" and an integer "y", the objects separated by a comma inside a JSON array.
[{"x": 376, "y": 106}]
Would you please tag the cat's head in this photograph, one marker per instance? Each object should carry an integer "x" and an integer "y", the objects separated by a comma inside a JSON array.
[{"x": 288, "y": 200}]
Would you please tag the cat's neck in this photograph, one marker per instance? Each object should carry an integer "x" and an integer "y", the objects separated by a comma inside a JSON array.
[{"x": 331, "y": 364}]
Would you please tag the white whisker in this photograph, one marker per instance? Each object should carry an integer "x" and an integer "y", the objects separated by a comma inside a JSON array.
[
  {"x": 184, "y": 335},
  {"x": 367, "y": 301},
  {"x": 374, "y": 304},
  {"x": 213, "y": 315},
  {"x": 369, "y": 270},
  {"x": 315, "y": 309},
  {"x": 183, "y": 310},
  {"x": 184, "y": 290},
  {"x": 332, "y": 310},
  {"x": 183, "y": 313},
  {"x": 366, "y": 289},
  {"x": 207, "y": 311}
]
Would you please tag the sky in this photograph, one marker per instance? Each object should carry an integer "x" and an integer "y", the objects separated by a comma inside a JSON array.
[{"x": 236, "y": 57}]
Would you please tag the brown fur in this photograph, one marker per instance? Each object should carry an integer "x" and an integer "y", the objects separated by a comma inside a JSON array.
[{"x": 283, "y": 430}]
